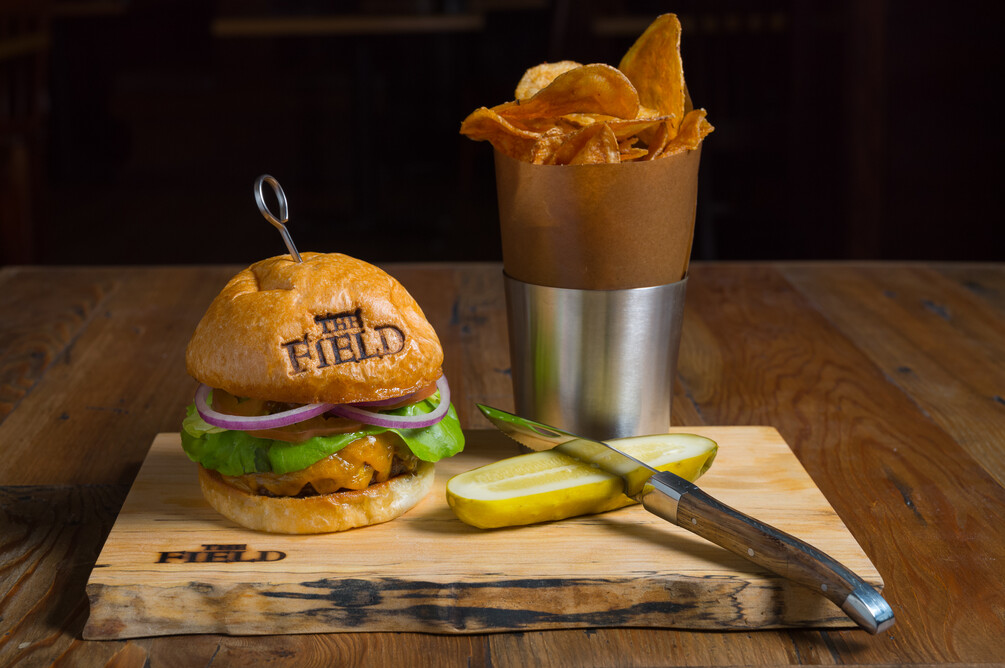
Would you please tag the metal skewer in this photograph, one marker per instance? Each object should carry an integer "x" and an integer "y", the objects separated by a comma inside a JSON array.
[{"x": 284, "y": 214}]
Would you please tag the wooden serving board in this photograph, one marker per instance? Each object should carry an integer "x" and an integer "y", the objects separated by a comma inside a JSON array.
[{"x": 171, "y": 565}]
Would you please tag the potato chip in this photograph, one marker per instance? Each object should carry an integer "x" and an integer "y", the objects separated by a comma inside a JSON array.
[
  {"x": 486, "y": 125},
  {"x": 653, "y": 65},
  {"x": 633, "y": 153},
  {"x": 483, "y": 123},
  {"x": 647, "y": 112},
  {"x": 540, "y": 76},
  {"x": 544, "y": 149},
  {"x": 624, "y": 129},
  {"x": 629, "y": 151},
  {"x": 593, "y": 145},
  {"x": 567, "y": 123},
  {"x": 693, "y": 129},
  {"x": 582, "y": 120},
  {"x": 597, "y": 88},
  {"x": 656, "y": 139},
  {"x": 567, "y": 113}
]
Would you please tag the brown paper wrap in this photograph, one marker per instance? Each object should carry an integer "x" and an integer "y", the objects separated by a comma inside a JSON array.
[{"x": 598, "y": 227}]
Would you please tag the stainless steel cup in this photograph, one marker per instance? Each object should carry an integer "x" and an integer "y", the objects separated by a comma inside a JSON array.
[{"x": 600, "y": 363}]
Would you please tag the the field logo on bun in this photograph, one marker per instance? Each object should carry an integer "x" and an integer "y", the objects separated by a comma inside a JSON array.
[
  {"x": 342, "y": 338},
  {"x": 322, "y": 403}
]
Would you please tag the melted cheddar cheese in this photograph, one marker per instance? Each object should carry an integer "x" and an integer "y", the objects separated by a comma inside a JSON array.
[{"x": 363, "y": 462}]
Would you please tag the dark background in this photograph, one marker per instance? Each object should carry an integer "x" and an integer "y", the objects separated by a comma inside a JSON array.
[{"x": 131, "y": 131}]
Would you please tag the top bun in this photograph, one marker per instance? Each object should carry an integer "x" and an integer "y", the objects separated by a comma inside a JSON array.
[{"x": 330, "y": 329}]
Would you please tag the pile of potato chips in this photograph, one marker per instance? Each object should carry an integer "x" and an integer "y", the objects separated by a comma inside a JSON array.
[{"x": 566, "y": 113}]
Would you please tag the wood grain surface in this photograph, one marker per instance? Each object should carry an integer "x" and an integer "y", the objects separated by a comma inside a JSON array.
[
  {"x": 884, "y": 378},
  {"x": 172, "y": 565}
]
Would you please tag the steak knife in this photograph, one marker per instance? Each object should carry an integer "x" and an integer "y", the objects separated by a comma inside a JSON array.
[{"x": 681, "y": 502}]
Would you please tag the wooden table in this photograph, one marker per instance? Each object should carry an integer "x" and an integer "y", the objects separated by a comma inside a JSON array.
[{"x": 888, "y": 381}]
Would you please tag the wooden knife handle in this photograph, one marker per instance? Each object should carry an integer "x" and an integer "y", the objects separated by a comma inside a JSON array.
[{"x": 687, "y": 506}]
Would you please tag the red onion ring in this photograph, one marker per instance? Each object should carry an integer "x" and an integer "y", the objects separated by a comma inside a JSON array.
[
  {"x": 399, "y": 421},
  {"x": 254, "y": 422},
  {"x": 307, "y": 411}
]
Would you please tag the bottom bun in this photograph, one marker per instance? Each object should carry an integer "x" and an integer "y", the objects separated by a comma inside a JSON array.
[{"x": 324, "y": 513}]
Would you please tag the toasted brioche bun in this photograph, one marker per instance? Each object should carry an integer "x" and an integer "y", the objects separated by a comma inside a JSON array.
[
  {"x": 318, "y": 514},
  {"x": 272, "y": 333}
]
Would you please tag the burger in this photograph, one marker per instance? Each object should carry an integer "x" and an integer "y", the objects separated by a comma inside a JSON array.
[{"x": 322, "y": 405}]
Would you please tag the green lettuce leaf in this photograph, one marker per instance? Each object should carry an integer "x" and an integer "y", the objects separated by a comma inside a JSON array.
[
  {"x": 432, "y": 444},
  {"x": 234, "y": 452}
]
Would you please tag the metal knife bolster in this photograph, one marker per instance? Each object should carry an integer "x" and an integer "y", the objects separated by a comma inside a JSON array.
[
  {"x": 683, "y": 503},
  {"x": 662, "y": 494}
]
